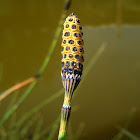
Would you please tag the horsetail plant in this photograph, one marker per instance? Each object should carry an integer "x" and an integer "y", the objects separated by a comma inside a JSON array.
[{"x": 72, "y": 59}]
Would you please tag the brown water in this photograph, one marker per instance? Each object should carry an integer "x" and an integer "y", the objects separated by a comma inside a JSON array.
[{"x": 111, "y": 88}]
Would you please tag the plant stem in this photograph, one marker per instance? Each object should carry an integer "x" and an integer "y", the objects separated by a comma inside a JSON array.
[
  {"x": 64, "y": 123},
  {"x": 16, "y": 87},
  {"x": 41, "y": 71}
]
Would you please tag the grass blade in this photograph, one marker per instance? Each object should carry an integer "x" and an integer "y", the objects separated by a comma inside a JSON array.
[
  {"x": 128, "y": 134},
  {"x": 120, "y": 135}
]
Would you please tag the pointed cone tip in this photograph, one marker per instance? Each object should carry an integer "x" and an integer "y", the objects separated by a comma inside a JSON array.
[{"x": 72, "y": 15}]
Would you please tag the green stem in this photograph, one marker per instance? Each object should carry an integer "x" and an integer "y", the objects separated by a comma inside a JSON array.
[
  {"x": 14, "y": 107},
  {"x": 128, "y": 134},
  {"x": 56, "y": 124},
  {"x": 53, "y": 44},
  {"x": 62, "y": 133},
  {"x": 41, "y": 71}
]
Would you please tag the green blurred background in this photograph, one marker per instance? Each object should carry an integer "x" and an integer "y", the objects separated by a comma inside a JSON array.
[{"x": 112, "y": 87}]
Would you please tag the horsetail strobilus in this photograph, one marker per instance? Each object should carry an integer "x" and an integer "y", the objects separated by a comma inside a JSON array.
[{"x": 72, "y": 67}]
